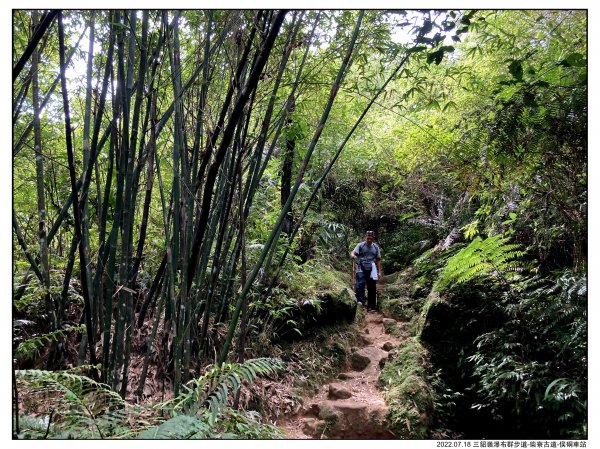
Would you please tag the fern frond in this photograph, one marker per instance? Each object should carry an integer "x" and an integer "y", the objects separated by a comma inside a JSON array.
[
  {"x": 31, "y": 346},
  {"x": 423, "y": 258},
  {"x": 80, "y": 407},
  {"x": 209, "y": 396},
  {"x": 493, "y": 256},
  {"x": 179, "y": 427},
  {"x": 36, "y": 428},
  {"x": 212, "y": 389}
]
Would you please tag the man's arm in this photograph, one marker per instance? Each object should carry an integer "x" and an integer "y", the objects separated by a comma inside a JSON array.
[{"x": 354, "y": 252}]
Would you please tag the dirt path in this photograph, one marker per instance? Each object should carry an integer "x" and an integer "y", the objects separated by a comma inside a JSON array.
[{"x": 351, "y": 406}]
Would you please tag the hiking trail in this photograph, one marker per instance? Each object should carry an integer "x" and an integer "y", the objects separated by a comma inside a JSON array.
[{"x": 351, "y": 406}]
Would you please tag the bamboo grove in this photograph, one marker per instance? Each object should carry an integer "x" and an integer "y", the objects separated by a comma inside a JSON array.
[
  {"x": 187, "y": 185},
  {"x": 147, "y": 165}
]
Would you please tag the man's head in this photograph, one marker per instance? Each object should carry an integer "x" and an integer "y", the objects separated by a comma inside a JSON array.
[{"x": 369, "y": 236}]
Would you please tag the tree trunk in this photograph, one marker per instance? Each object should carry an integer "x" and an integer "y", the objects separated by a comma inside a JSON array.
[{"x": 23, "y": 139}]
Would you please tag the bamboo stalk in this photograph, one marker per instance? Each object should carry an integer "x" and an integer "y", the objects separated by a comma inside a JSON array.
[
  {"x": 287, "y": 206},
  {"x": 38, "y": 34},
  {"x": 76, "y": 210}
]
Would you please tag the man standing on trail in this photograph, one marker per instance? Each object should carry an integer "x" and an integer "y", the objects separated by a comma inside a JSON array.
[{"x": 368, "y": 270}]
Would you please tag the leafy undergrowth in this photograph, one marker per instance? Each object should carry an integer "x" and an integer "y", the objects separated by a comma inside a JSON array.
[
  {"x": 63, "y": 405},
  {"x": 315, "y": 277},
  {"x": 67, "y": 404},
  {"x": 207, "y": 406},
  {"x": 509, "y": 346},
  {"x": 205, "y": 409}
]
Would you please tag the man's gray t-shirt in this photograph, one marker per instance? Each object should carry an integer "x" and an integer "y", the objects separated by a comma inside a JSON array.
[{"x": 367, "y": 254}]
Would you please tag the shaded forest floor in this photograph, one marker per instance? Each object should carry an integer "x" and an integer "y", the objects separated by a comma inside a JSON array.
[{"x": 330, "y": 386}]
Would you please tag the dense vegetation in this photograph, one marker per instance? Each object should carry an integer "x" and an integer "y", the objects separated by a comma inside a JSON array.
[{"x": 184, "y": 180}]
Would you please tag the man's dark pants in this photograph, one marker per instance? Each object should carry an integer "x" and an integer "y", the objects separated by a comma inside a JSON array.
[{"x": 364, "y": 278}]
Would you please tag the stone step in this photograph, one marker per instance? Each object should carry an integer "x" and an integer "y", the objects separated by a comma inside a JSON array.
[
  {"x": 338, "y": 391},
  {"x": 347, "y": 419},
  {"x": 364, "y": 357}
]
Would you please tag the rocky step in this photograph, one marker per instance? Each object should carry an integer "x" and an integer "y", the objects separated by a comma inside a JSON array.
[
  {"x": 352, "y": 407},
  {"x": 368, "y": 356},
  {"x": 346, "y": 419},
  {"x": 338, "y": 391},
  {"x": 344, "y": 416}
]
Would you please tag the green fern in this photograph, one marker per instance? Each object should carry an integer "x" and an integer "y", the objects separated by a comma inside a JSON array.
[
  {"x": 31, "y": 347},
  {"x": 532, "y": 365},
  {"x": 35, "y": 428},
  {"x": 233, "y": 424},
  {"x": 493, "y": 256},
  {"x": 77, "y": 406},
  {"x": 196, "y": 410},
  {"x": 66, "y": 405},
  {"x": 181, "y": 427},
  {"x": 212, "y": 390}
]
